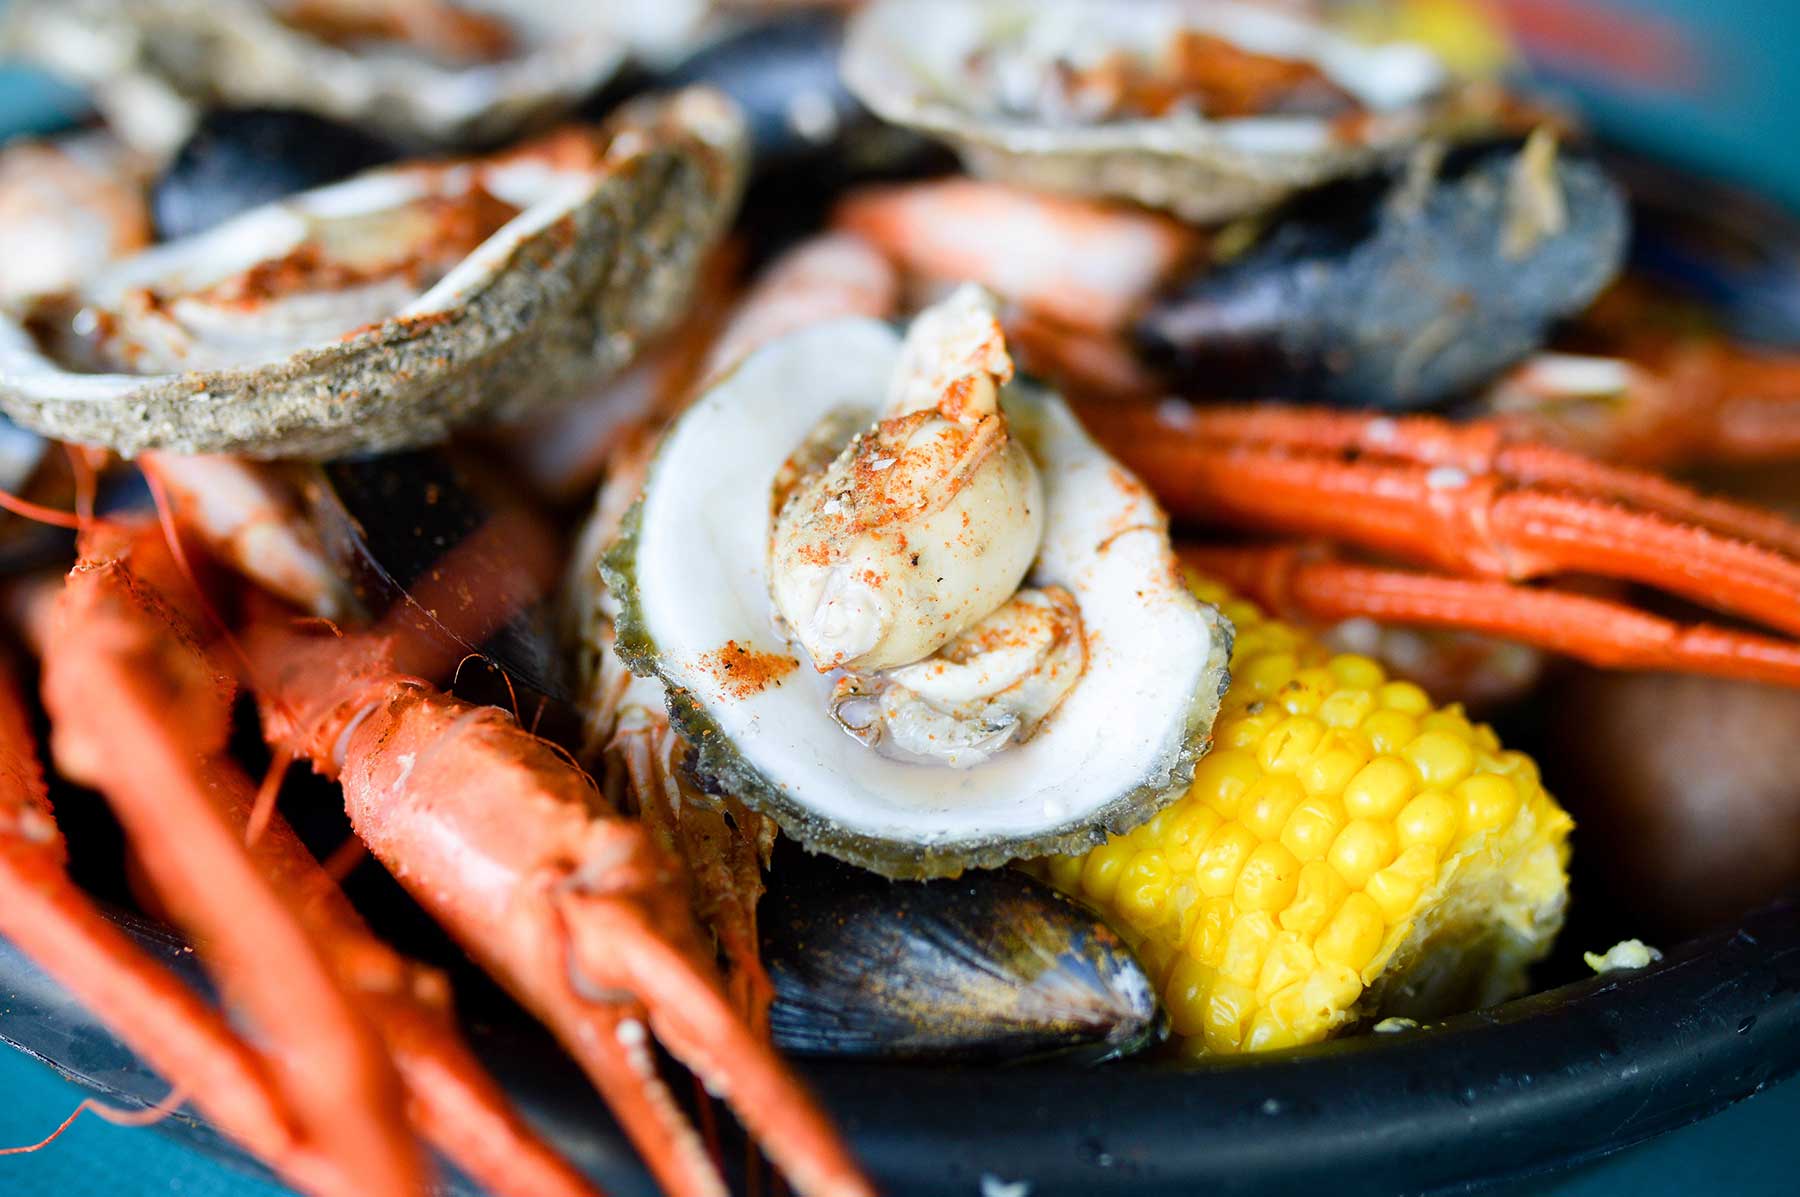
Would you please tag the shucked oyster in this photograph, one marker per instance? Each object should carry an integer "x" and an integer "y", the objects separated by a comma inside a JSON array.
[
  {"x": 380, "y": 312},
  {"x": 1207, "y": 108},
  {"x": 953, "y": 638},
  {"x": 423, "y": 71}
]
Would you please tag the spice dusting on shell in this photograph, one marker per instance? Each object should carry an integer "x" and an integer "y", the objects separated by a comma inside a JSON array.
[{"x": 743, "y": 672}]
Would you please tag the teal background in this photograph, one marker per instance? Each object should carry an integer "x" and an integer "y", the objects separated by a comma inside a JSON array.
[{"x": 1739, "y": 117}]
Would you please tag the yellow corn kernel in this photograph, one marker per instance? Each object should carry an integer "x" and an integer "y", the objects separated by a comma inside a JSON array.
[
  {"x": 1185, "y": 995},
  {"x": 1290, "y": 744},
  {"x": 1142, "y": 894},
  {"x": 1389, "y": 731},
  {"x": 1363, "y": 846},
  {"x": 1317, "y": 896},
  {"x": 1222, "y": 777},
  {"x": 1307, "y": 690},
  {"x": 1354, "y": 933},
  {"x": 1268, "y": 879},
  {"x": 1347, "y": 708},
  {"x": 1342, "y": 831},
  {"x": 1488, "y": 802},
  {"x": 1313, "y": 827},
  {"x": 1379, "y": 789},
  {"x": 1216, "y": 872},
  {"x": 1206, "y": 941},
  {"x": 1430, "y": 819},
  {"x": 1332, "y": 767},
  {"x": 1355, "y": 672},
  {"x": 1441, "y": 758},
  {"x": 1246, "y": 947},
  {"x": 1404, "y": 697},
  {"x": 1100, "y": 875},
  {"x": 1268, "y": 804},
  {"x": 1194, "y": 824}
]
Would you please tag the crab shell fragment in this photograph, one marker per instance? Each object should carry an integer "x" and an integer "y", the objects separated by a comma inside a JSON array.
[
  {"x": 690, "y": 574},
  {"x": 152, "y": 64},
  {"x": 909, "y": 61},
  {"x": 610, "y": 230}
]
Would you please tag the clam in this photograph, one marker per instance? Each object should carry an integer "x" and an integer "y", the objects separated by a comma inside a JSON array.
[
  {"x": 380, "y": 312},
  {"x": 1207, "y": 108},
  {"x": 422, "y": 71},
  {"x": 68, "y": 206},
  {"x": 1000, "y": 656}
]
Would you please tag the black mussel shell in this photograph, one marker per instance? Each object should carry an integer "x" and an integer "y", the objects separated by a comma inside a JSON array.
[
  {"x": 810, "y": 138},
  {"x": 241, "y": 158},
  {"x": 993, "y": 965},
  {"x": 1392, "y": 291},
  {"x": 442, "y": 552}
]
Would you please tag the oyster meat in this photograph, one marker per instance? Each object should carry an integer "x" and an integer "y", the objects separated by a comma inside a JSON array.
[
  {"x": 1208, "y": 108},
  {"x": 957, "y": 639},
  {"x": 426, "y": 72},
  {"x": 380, "y": 312}
]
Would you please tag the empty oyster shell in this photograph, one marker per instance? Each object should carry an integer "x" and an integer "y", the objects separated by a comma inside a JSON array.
[
  {"x": 421, "y": 71},
  {"x": 1207, "y": 108},
  {"x": 381, "y": 312},
  {"x": 691, "y": 572}
]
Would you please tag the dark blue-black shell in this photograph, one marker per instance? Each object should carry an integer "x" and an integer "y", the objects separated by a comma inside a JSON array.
[
  {"x": 992, "y": 965},
  {"x": 1385, "y": 292},
  {"x": 242, "y": 158}
]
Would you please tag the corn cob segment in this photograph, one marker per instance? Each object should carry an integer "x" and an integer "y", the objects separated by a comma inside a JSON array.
[{"x": 1347, "y": 851}]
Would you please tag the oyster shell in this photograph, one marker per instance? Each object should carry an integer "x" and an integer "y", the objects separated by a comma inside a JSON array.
[
  {"x": 691, "y": 574},
  {"x": 429, "y": 72},
  {"x": 1131, "y": 100},
  {"x": 381, "y": 312}
]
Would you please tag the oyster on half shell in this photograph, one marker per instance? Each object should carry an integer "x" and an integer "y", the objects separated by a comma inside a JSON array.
[
  {"x": 912, "y": 693},
  {"x": 425, "y": 72},
  {"x": 1208, "y": 108},
  {"x": 380, "y": 312}
]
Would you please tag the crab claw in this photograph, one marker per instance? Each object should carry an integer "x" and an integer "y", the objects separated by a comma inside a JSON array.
[{"x": 578, "y": 912}]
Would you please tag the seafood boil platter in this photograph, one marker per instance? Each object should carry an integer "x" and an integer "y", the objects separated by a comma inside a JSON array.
[{"x": 912, "y": 597}]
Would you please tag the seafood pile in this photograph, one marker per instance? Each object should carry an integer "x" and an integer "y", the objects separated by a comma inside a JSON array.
[{"x": 905, "y": 531}]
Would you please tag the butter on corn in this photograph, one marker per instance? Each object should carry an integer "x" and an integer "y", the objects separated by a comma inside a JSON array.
[{"x": 1346, "y": 852}]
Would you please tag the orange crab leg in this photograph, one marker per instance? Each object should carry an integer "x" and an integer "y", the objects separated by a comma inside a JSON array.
[
  {"x": 1482, "y": 523},
  {"x": 1313, "y": 586},
  {"x": 450, "y": 1097},
  {"x": 177, "y": 1033},
  {"x": 578, "y": 912},
  {"x": 116, "y": 668}
]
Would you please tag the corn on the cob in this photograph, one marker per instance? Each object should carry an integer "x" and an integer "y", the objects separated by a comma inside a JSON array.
[{"x": 1345, "y": 852}]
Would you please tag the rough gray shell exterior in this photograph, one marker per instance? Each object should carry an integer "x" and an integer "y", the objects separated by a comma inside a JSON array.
[
  {"x": 153, "y": 63},
  {"x": 574, "y": 300},
  {"x": 718, "y": 766},
  {"x": 1185, "y": 167}
]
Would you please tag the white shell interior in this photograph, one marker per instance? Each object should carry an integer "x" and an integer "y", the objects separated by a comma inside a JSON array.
[
  {"x": 541, "y": 192},
  {"x": 912, "y": 53},
  {"x": 701, "y": 566}
]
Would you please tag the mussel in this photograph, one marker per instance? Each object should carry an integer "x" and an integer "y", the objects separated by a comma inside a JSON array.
[
  {"x": 242, "y": 158},
  {"x": 992, "y": 965},
  {"x": 1399, "y": 290}
]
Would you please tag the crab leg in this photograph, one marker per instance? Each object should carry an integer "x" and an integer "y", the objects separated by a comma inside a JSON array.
[
  {"x": 1313, "y": 586},
  {"x": 134, "y": 706},
  {"x": 449, "y": 1096},
  {"x": 1401, "y": 489},
  {"x": 178, "y": 1034},
  {"x": 578, "y": 912}
]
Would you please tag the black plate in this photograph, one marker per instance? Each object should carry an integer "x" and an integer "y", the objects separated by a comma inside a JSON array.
[{"x": 1526, "y": 1088}]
